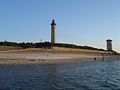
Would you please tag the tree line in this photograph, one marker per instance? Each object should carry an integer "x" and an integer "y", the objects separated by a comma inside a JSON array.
[
  {"x": 45, "y": 45},
  {"x": 15, "y": 44}
]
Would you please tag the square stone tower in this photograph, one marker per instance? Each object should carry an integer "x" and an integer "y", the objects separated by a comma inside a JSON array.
[{"x": 109, "y": 44}]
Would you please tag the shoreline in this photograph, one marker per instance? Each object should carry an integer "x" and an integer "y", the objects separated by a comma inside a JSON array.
[
  {"x": 60, "y": 61},
  {"x": 51, "y": 57}
]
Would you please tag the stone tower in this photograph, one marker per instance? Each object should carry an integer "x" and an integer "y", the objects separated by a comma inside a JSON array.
[
  {"x": 53, "y": 30},
  {"x": 109, "y": 44}
]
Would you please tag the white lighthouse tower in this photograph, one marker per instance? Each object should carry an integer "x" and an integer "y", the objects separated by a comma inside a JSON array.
[
  {"x": 109, "y": 44},
  {"x": 53, "y": 32}
]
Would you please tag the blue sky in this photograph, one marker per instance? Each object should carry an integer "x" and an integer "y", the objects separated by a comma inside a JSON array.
[{"x": 81, "y": 22}]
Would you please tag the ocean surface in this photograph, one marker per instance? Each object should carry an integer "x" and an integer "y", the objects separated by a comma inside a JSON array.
[{"x": 102, "y": 75}]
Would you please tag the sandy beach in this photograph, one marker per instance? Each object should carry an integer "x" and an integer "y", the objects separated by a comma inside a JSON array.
[{"x": 52, "y": 56}]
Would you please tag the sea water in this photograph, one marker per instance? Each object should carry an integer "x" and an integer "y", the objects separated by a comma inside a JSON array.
[{"x": 102, "y": 75}]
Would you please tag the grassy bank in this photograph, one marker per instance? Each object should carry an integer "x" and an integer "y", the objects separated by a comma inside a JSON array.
[{"x": 6, "y": 48}]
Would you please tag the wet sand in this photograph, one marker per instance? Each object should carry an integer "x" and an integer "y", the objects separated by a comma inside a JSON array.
[{"x": 51, "y": 56}]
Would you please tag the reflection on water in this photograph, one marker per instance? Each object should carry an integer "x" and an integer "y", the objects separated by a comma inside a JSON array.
[{"x": 77, "y": 76}]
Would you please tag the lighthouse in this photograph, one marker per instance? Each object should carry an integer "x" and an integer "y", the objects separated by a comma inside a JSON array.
[
  {"x": 109, "y": 44},
  {"x": 53, "y": 32}
]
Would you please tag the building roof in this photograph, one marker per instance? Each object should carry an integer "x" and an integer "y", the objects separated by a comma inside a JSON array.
[
  {"x": 108, "y": 40},
  {"x": 53, "y": 22}
]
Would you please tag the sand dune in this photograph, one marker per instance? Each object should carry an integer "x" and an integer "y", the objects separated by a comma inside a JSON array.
[{"x": 43, "y": 56}]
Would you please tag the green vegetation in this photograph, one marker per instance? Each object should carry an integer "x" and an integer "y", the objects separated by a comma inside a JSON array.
[
  {"x": 5, "y": 48},
  {"x": 114, "y": 52},
  {"x": 76, "y": 46},
  {"x": 46, "y": 45},
  {"x": 14, "y": 44}
]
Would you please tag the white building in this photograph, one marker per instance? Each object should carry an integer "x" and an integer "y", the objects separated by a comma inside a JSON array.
[{"x": 53, "y": 32}]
